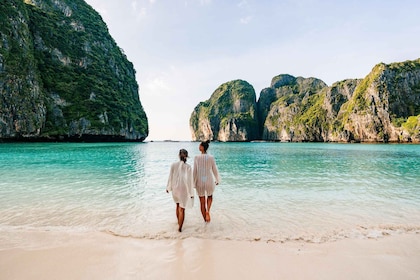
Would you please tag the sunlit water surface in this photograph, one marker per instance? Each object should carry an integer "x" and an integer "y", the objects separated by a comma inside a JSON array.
[{"x": 278, "y": 192}]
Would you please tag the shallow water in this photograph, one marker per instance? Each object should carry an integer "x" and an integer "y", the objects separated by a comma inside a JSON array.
[{"x": 269, "y": 191}]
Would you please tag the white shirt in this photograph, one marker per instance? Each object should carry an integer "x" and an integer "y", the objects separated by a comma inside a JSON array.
[
  {"x": 205, "y": 171},
  {"x": 181, "y": 183}
]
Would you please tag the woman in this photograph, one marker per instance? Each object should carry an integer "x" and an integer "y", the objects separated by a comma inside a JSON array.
[
  {"x": 206, "y": 177},
  {"x": 180, "y": 182}
]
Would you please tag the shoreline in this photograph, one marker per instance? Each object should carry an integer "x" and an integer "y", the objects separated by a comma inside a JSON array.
[{"x": 63, "y": 255}]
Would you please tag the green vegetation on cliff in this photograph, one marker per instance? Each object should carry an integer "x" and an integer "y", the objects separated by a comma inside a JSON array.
[
  {"x": 86, "y": 84},
  {"x": 229, "y": 115},
  {"x": 382, "y": 107},
  {"x": 313, "y": 114},
  {"x": 412, "y": 125},
  {"x": 359, "y": 103}
]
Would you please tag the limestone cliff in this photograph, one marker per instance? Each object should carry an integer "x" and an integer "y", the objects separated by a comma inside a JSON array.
[
  {"x": 385, "y": 106},
  {"x": 22, "y": 103},
  {"x": 382, "y": 107},
  {"x": 229, "y": 115},
  {"x": 62, "y": 76},
  {"x": 290, "y": 97},
  {"x": 335, "y": 97}
]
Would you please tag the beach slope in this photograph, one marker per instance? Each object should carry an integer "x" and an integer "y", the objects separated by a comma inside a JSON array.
[{"x": 54, "y": 255}]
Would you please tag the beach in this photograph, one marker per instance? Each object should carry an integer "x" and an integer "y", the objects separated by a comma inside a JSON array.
[
  {"x": 289, "y": 211},
  {"x": 58, "y": 255}
]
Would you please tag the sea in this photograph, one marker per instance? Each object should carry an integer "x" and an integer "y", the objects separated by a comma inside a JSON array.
[{"x": 271, "y": 192}]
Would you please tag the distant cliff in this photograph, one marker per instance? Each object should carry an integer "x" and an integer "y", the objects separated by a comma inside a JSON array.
[
  {"x": 382, "y": 107},
  {"x": 62, "y": 76},
  {"x": 287, "y": 98},
  {"x": 229, "y": 115},
  {"x": 385, "y": 106}
]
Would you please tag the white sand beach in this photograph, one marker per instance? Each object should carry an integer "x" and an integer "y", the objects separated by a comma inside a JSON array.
[{"x": 55, "y": 255}]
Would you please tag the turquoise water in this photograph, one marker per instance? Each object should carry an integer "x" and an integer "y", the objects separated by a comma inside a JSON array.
[{"x": 278, "y": 192}]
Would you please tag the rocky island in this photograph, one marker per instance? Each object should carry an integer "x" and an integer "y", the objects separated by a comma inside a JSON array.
[
  {"x": 63, "y": 77},
  {"x": 382, "y": 107}
]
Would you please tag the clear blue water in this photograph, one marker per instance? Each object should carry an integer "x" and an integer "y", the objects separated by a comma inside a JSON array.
[{"x": 278, "y": 192}]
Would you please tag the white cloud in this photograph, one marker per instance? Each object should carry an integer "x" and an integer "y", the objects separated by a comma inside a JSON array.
[
  {"x": 157, "y": 86},
  {"x": 134, "y": 5},
  {"x": 205, "y": 2},
  {"x": 246, "y": 20},
  {"x": 245, "y": 7},
  {"x": 243, "y": 3},
  {"x": 139, "y": 12}
]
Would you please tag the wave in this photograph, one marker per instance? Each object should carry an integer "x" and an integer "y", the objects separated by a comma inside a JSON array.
[
  {"x": 360, "y": 232},
  {"x": 209, "y": 232}
]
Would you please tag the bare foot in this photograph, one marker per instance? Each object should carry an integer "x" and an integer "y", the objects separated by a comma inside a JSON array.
[{"x": 207, "y": 217}]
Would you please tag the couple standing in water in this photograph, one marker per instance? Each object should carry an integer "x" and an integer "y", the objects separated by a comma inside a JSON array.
[{"x": 203, "y": 177}]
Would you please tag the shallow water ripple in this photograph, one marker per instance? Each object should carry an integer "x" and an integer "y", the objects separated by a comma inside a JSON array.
[{"x": 270, "y": 191}]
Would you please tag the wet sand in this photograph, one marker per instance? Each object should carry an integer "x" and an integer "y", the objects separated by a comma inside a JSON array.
[{"x": 55, "y": 255}]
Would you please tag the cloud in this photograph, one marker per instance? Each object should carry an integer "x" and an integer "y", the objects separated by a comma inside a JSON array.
[
  {"x": 139, "y": 12},
  {"x": 243, "y": 4},
  {"x": 134, "y": 5},
  {"x": 246, "y": 20},
  {"x": 245, "y": 7},
  {"x": 157, "y": 86},
  {"x": 205, "y": 2}
]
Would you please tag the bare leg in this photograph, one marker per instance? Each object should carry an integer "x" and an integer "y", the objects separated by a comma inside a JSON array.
[
  {"x": 209, "y": 202},
  {"x": 181, "y": 216},
  {"x": 177, "y": 211},
  {"x": 203, "y": 207}
]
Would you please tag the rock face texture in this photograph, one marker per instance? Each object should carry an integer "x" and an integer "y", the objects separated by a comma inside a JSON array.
[
  {"x": 62, "y": 76},
  {"x": 385, "y": 106},
  {"x": 290, "y": 97},
  {"x": 382, "y": 107},
  {"x": 229, "y": 115}
]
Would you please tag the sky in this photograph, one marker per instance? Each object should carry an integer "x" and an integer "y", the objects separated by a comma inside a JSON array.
[{"x": 183, "y": 50}]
